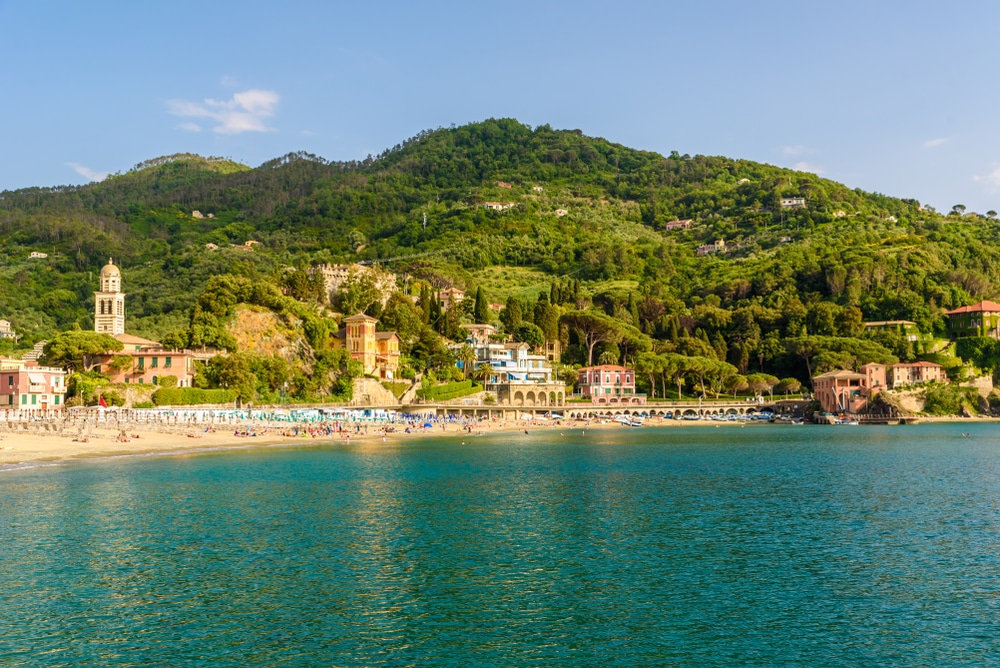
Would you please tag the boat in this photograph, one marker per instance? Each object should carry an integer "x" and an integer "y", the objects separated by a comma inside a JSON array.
[{"x": 846, "y": 422}]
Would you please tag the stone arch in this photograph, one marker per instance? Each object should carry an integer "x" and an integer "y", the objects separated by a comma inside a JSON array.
[
  {"x": 530, "y": 398},
  {"x": 542, "y": 399},
  {"x": 519, "y": 398},
  {"x": 552, "y": 398},
  {"x": 560, "y": 398}
]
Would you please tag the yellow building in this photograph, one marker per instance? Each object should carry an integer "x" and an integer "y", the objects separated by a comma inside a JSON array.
[{"x": 378, "y": 352}]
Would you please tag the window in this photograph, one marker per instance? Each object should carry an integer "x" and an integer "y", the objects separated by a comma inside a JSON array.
[
  {"x": 34, "y": 399},
  {"x": 10, "y": 381},
  {"x": 24, "y": 399},
  {"x": 154, "y": 380},
  {"x": 142, "y": 363},
  {"x": 55, "y": 399},
  {"x": 167, "y": 362},
  {"x": 154, "y": 362}
]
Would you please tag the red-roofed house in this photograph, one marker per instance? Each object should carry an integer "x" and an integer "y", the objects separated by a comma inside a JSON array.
[
  {"x": 982, "y": 319},
  {"x": 914, "y": 373}
]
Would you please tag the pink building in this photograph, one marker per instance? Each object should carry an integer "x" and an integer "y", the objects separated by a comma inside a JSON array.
[
  {"x": 27, "y": 386},
  {"x": 843, "y": 391},
  {"x": 914, "y": 373},
  {"x": 677, "y": 225},
  {"x": 608, "y": 384},
  {"x": 149, "y": 362}
]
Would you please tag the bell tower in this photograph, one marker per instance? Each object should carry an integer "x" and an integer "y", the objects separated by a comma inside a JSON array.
[{"x": 109, "y": 302}]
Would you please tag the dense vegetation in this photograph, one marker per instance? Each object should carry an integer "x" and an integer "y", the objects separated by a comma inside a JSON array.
[{"x": 584, "y": 240}]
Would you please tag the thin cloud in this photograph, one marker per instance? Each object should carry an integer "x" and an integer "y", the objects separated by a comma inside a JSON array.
[
  {"x": 808, "y": 167},
  {"x": 229, "y": 82},
  {"x": 189, "y": 127},
  {"x": 245, "y": 112},
  {"x": 932, "y": 143},
  {"x": 992, "y": 179},
  {"x": 87, "y": 172},
  {"x": 793, "y": 150}
]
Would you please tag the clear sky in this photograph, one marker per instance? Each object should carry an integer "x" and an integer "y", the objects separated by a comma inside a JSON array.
[{"x": 898, "y": 97}]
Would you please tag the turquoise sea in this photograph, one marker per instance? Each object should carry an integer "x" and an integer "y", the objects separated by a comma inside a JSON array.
[{"x": 764, "y": 546}]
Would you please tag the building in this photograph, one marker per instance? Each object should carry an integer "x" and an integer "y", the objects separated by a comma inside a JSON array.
[
  {"x": 561, "y": 212},
  {"x": 915, "y": 373},
  {"x": 982, "y": 319},
  {"x": 378, "y": 352},
  {"x": 793, "y": 202},
  {"x": 109, "y": 301},
  {"x": 504, "y": 184},
  {"x": 479, "y": 335},
  {"x": 335, "y": 275},
  {"x": 843, "y": 391},
  {"x": 37, "y": 255},
  {"x": 28, "y": 386},
  {"x": 449, "y": 297},
  {"x": 517, "y": 376},
  {"x": 499, "y": 206},
  {"x": 146, "y": 362},
  {"x": 552, "y": 350},
  {"x": 537, "y": 189},
  {"x": 6, "y": 331},
  {"x": 677, "y": 225},
  {"x": 905, "y": 327},
  {"x": 711, "y": 249},
  {"x": 608, "y": 384}
]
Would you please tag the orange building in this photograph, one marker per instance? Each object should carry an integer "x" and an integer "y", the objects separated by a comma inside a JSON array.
[{"x": 378, "y": 352}]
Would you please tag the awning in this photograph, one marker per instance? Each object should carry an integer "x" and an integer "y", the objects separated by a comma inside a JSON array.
[{"x": 36, "y": 379}]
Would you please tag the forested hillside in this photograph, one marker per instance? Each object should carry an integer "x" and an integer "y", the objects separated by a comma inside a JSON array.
[{"x": 582, "y": 219}]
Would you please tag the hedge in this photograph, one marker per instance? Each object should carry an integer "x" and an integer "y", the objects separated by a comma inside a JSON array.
[
  {"x": 449, "y": 391},
  {"x": 190, "y": 396}
]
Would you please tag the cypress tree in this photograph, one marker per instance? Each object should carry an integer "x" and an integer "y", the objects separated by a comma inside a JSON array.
[{"x": 481, "y": 310}]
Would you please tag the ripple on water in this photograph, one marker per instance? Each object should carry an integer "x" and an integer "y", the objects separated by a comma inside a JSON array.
[{"x": 806, "y": 546}]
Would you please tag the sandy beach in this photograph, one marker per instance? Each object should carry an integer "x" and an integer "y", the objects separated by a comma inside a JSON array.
[{"x": 17, "y": 447}]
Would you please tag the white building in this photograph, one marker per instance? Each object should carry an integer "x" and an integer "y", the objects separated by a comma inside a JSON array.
[{"x": 518, "y": 376}]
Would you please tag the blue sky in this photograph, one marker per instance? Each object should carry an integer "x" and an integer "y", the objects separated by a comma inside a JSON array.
[{"x": 894, "y": 97}]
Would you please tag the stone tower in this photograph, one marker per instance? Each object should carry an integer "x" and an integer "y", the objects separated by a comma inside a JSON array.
[{"x": 109, "y": 302}]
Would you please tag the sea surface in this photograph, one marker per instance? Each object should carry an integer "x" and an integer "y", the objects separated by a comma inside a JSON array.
[{"x": 761, "y": 546}]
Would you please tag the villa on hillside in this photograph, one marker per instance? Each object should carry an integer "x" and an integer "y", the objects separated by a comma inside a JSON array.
[
  {"x": 843, "y": 391},
  {"x": 710, "y": 249},
  {"x": 608, "y": 384},
  {"x": 378, "y": 352},
  {"x": 678, "y": 225},
  {"x": 449, "y": 297},
  {"x": 982, "y": 319},
  {"x": 904, "y": 327},
  {"x": 915, "y": 373},
  {"x": 793, "y": 202},
  {"x": 6, "y": 331}
]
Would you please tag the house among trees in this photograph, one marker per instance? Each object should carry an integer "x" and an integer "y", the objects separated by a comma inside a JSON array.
[
  {"x": 499, "y": 206},
  {"x": 907, "y": 328},
  {"x": 37, "y": 255},
  {"x": 378, "y": 352},
  {"x": 518, "y": 376},
  {"x": 796, "y": 202},
  {"x": 449, "y": 297},
  {"x": 843, "y": 391},
  {"x": 711, "y": 249},
  {"x": 336, "y": 275},
  {"x": 6, "y": 331},
  {"x": 982, "y": 319},
  {"x": 677, "y": 225},
  {"x": 504, "y": 184},
  {"x": 608, "y": 384}
]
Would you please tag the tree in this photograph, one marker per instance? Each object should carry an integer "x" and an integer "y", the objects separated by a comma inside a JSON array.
[
  {"x": 736, "y": 383},
  {"x": 991, "y": 214},
  {"x": 483, "y": 373},
  {"x": 648, "y": 364},
  {"x": 511, "y": 314},
  {"x": 789, "y": 386},
  {"x": 529, "y": 333},
  {"x": 75, "y": 349},
  {"x": 359, "y": 292},
  {"x": 481, "y": 310},
  {"x": 467, "y": 356},
  {"x": 593, "y": 327},
  {"x": 958, "y": 209}
]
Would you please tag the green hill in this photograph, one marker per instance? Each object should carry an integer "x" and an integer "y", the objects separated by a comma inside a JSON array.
[{"x": 583, "y": 212}]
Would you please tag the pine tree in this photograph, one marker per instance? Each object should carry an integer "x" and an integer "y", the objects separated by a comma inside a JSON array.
[{"x": 481, "y": 310}]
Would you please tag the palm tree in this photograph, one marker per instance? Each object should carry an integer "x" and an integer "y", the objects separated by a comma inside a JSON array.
[
  {"x": 467, "y": 356},
  {"x": 483, "y": 372}
]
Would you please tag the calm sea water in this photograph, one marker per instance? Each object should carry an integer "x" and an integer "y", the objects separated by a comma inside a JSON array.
[{"x": 812, "y": 546}]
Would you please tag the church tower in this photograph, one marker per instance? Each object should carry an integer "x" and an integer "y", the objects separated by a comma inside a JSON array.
[{"x": 109, "y": 302}]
